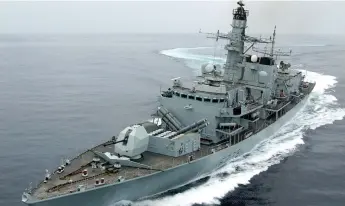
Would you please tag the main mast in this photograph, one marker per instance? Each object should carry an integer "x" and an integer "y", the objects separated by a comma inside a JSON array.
[{"x": 235, "y": 47}]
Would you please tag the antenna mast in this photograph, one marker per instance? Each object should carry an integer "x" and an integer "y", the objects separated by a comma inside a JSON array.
[
  {"x": 272, "y": 52},
  {"x": 273, "y": 41}
]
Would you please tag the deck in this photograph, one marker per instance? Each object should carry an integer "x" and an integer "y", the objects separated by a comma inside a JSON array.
[{"x": 69, "y": 180}]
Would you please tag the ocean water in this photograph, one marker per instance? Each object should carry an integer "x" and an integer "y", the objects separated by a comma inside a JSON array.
[{"x": 61, "y": 94}]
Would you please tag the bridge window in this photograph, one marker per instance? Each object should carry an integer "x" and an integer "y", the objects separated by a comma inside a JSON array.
[
  {"x": 214, "y": 100},
  {"x": 237, "y": 110},
  {"x": 207, "y": 99},
  {"x": 266, "y": 61},
  {"x": 183, "y": 95},
  {"x": 177, "y": 94},
  {"x": 198, "y": 98},
  {"x": 221, "y": 100},
  {"x": 190, "y": 97}
]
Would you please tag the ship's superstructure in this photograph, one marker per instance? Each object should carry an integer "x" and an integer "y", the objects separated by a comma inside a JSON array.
[
  {"x": 252, "y": 90},
  {"x": 198, "y": 126}
]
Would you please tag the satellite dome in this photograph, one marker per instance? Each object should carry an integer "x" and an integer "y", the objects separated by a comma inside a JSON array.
[
  {"x": 207, "y": 68},
  {"x": 263, "y": 77},
  {"x": 254, "y": 58}
]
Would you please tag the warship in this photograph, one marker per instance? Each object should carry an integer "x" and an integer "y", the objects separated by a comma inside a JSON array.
[{"x": 197, "y": 127}]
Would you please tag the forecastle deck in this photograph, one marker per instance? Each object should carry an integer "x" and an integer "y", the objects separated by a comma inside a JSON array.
[{"x": 71, "y": 178}]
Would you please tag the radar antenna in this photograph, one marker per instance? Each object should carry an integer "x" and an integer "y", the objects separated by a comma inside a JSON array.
[
  {"x": 240, "y": 2},
  {"x": 272, "y": 51}
]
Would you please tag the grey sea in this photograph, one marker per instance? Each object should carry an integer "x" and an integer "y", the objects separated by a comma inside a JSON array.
[{"x": 61, "y": 94}]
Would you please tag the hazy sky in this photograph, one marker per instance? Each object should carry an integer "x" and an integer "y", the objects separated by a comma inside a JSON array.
[{"x": 169, "y": 16}]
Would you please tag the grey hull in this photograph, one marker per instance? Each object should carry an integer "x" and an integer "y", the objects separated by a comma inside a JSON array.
[{"x": 161, "y": 181}]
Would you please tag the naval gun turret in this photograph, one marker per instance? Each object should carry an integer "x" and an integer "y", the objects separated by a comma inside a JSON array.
[
  {"x": 131, "y": 142},
  {"x": 136, "y": 144}
]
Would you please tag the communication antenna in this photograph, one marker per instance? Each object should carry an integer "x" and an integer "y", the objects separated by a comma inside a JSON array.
[
  {"x": 215, "y": 36},
  {"x": 215, "y": 47},
  {"x": 273, "y": 41},
  {"x": 272, "y": 51}
]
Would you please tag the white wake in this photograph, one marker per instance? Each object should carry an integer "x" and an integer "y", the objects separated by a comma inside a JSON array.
[{"x": 321, "y": 109}]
